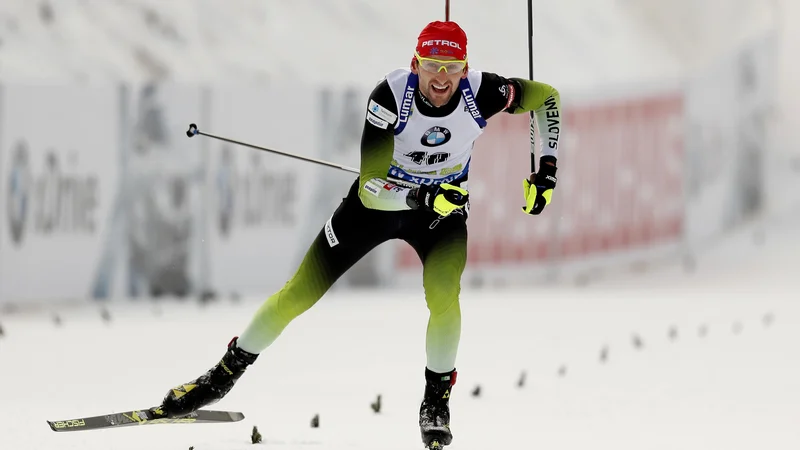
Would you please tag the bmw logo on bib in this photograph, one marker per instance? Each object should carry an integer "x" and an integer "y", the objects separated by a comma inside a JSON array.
[{"x": 435, "y": 137}]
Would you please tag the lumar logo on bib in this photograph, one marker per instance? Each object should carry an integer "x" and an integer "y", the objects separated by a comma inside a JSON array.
[
  {"x": 405, "y": 106},
  {"x": 441, "y": 42},
  {"x": 471, "y": 105},
  {"x": 435, "y": 137}
]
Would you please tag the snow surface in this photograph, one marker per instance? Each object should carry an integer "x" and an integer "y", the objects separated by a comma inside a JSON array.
[{"x": 733, "y": 387}]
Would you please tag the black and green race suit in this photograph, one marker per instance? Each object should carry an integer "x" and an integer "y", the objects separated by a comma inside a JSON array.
[{"x": 375, "y": 210}]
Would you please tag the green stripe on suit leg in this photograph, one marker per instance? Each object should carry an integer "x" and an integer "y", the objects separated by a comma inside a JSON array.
[{"x": 441, "y": 277}]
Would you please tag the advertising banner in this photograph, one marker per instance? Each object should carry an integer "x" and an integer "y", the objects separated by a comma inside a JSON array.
[
  {"x": 259, "y": 210},
  {"x": 59, "y": 157},
  {"x": 155, "y": 245}
]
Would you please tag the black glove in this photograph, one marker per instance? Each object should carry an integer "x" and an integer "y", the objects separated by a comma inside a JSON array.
[
  {"x": 442, "y": 199},
  {"x": 538, "y": 190}
]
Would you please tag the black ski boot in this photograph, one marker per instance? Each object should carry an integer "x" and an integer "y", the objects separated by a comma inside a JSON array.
[
  {"x": 434, "y": 413},
  {"x": 210, "y": 387}
]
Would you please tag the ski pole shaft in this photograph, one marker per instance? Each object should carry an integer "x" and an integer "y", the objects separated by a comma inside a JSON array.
[
  {"x": 194, "y": 131},
  {"x": 530, "y": 76}
]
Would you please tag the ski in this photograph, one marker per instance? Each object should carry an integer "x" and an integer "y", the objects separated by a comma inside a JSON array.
[{"x": 151, "y": 416}]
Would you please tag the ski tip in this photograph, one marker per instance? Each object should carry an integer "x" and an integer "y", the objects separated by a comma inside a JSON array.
[
  {"x": 64, "y": 425},
  {"x": 236, "y": 416}
]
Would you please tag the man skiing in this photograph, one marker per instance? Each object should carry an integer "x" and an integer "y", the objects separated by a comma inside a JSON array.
[{"x": 419, "y": 130}]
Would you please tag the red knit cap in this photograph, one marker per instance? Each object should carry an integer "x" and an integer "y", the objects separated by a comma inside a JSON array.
[{"x": 442, "y": 39}]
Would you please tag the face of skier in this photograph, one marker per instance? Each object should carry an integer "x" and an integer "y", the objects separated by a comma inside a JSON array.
[{"x": 439, "y": 77}]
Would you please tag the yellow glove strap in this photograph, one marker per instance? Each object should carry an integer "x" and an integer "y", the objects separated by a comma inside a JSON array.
[
  {"x": 444, "y": 207},
  {"x": 530, "y": 192}
]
